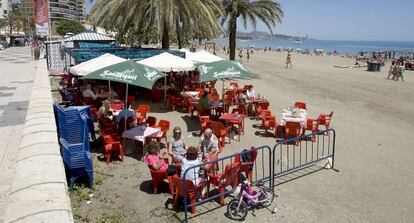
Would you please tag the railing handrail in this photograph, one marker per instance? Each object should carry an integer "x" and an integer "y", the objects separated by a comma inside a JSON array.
[
  {"x": 272, "y": 166},
  {"x": 229, "y": 157}
]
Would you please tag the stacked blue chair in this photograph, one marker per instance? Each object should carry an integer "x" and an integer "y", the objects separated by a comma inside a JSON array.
[
  {"x": 74, "y": 127},
  {"x": 85, "y": 111}
]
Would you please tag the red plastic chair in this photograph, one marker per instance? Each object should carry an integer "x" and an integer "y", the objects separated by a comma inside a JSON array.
[
  {"x": 264, "y": 115},
  {"x": 204, "y": 120},
  {"x": 143, "y": 110},
  {"x": 241, "y": 109},
  {"x": 292, "y": 130},
  {"x": 247, "y": 167},
  {"x": 228, "y": 178},
  {"x": 190, "y": 192},
  {"x": 325, "y": 120},
  {"x": 165, "y": 127},
  {"x": 157, "y": 176},
  {"x": 261, "y": 106},
  {"x": 270, "y": 123},
  {"x": 301, "y": 105},
  {"x": 311, "y": 125},
  {"x": 220, "y": 131},
  {"x": 111, "y": 144},
  {"x": 239, "y": 122}
]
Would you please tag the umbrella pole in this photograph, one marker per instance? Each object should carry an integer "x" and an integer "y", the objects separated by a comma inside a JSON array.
[
  {"x": 165, "y": 92},
  {"x": 125, "y": 118},
  {"x": 110, "y": 92}
]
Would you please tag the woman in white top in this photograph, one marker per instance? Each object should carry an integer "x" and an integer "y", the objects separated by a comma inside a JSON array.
[{"x": 189, "y": 161}]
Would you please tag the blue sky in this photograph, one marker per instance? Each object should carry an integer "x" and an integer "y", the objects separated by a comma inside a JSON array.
[{"x": 383, "y": 20}]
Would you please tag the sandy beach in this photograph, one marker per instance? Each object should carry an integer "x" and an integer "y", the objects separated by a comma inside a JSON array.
[{"x": 374, "y": 126}]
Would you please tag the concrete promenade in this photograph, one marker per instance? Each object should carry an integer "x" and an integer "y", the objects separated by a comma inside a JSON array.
[{"x": 32, "y": 178}]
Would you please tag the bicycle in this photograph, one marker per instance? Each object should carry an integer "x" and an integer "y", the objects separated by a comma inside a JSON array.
[{"x": 247, "y": 198}]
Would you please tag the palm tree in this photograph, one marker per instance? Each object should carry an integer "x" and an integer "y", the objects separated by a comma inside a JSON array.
[
  {"x": 170, "y": 16},
  {"x": 267, "y": 11}
]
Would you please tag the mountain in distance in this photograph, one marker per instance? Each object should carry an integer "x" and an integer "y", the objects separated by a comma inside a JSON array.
[{"x": 265, "y": 35}]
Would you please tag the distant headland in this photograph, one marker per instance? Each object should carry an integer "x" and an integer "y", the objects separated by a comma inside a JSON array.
[{"x": 265, "y": 35}]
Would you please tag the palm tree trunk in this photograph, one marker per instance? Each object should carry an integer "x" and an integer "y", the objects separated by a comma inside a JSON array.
[
  {"x": 179, "y": 37},
  {"x": 165, "y": 42},
  {"x": 232, "y": 36}
]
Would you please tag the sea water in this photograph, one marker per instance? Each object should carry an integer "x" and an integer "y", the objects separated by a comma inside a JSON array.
[{"x": 342, "y": 47}]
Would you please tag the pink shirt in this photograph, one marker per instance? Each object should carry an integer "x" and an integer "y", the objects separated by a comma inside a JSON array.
[{"x": 154, "y": 159}]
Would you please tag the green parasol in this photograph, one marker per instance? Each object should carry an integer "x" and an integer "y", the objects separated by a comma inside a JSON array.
[
  {"x": 222, "y": 70},
  {"x": 128, "y": 72}
]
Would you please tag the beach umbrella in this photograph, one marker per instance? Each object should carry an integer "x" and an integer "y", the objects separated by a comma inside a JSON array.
[
  {"x": 89, "y": 66},
  {"x": 222, "y": 70},
  {"x": 202, "y": 57},
  {"x": 129, "y": 73},
  {"x": 167, "y": 62}
]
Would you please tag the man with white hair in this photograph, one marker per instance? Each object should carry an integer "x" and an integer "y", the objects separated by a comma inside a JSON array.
[
  {"x": 89, "y": 93},
  {"x": 209, "y": 144}
]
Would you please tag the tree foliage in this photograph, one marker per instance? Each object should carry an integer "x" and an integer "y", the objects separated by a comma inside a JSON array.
[
  {"x": 173, "y": 18},
  {"x": 69, "y": 26},
  {"x": 267, "y": 11}
]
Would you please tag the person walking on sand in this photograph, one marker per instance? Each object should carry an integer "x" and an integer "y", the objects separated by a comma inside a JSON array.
[
  {"x": 391, "y": 71},
  {"x": 241, "y": 54},
  {"x": 400, "y": 72},
  {"x": 247, "y": 55},
  {"x": 289, "y": 60}
]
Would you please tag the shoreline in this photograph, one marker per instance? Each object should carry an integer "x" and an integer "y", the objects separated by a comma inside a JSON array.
[{"x": 341, "y": 47}]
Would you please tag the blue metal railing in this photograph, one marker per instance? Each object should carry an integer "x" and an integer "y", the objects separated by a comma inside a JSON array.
[
  {"x": 284, "y": 158},
  {"x": 261, "y": 173}
]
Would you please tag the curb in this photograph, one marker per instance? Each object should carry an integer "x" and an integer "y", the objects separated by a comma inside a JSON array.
[{"x": 39, "y": 191}]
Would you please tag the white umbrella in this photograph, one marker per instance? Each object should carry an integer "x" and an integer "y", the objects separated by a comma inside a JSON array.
[
  {"x": 97, "y": 63},
  {"x": 167, "y": 62},
  {"x": 202, "y": 57}
]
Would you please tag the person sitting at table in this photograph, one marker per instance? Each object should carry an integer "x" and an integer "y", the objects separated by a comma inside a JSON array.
[
  {"x": 125, "y": 113},
  {"x": 250, "y": 92},
  {"x": 205, "y": 103},
  {"x": 113, "y": 93},
  {"x": 103, "y": 93},
  {"x": 208, "y": 144},
  {"x": 243, "y": 99},
  {"x": 157, "y": 162},
  {"x": 176, "y": 146},
  {"x": 88, "y": 92},
  {"x": 189, "y": 161},
  {"x": 104, "y": 111}
]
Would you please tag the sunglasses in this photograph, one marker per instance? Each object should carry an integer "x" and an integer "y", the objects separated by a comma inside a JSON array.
[{"x": 177, "y": 133}]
